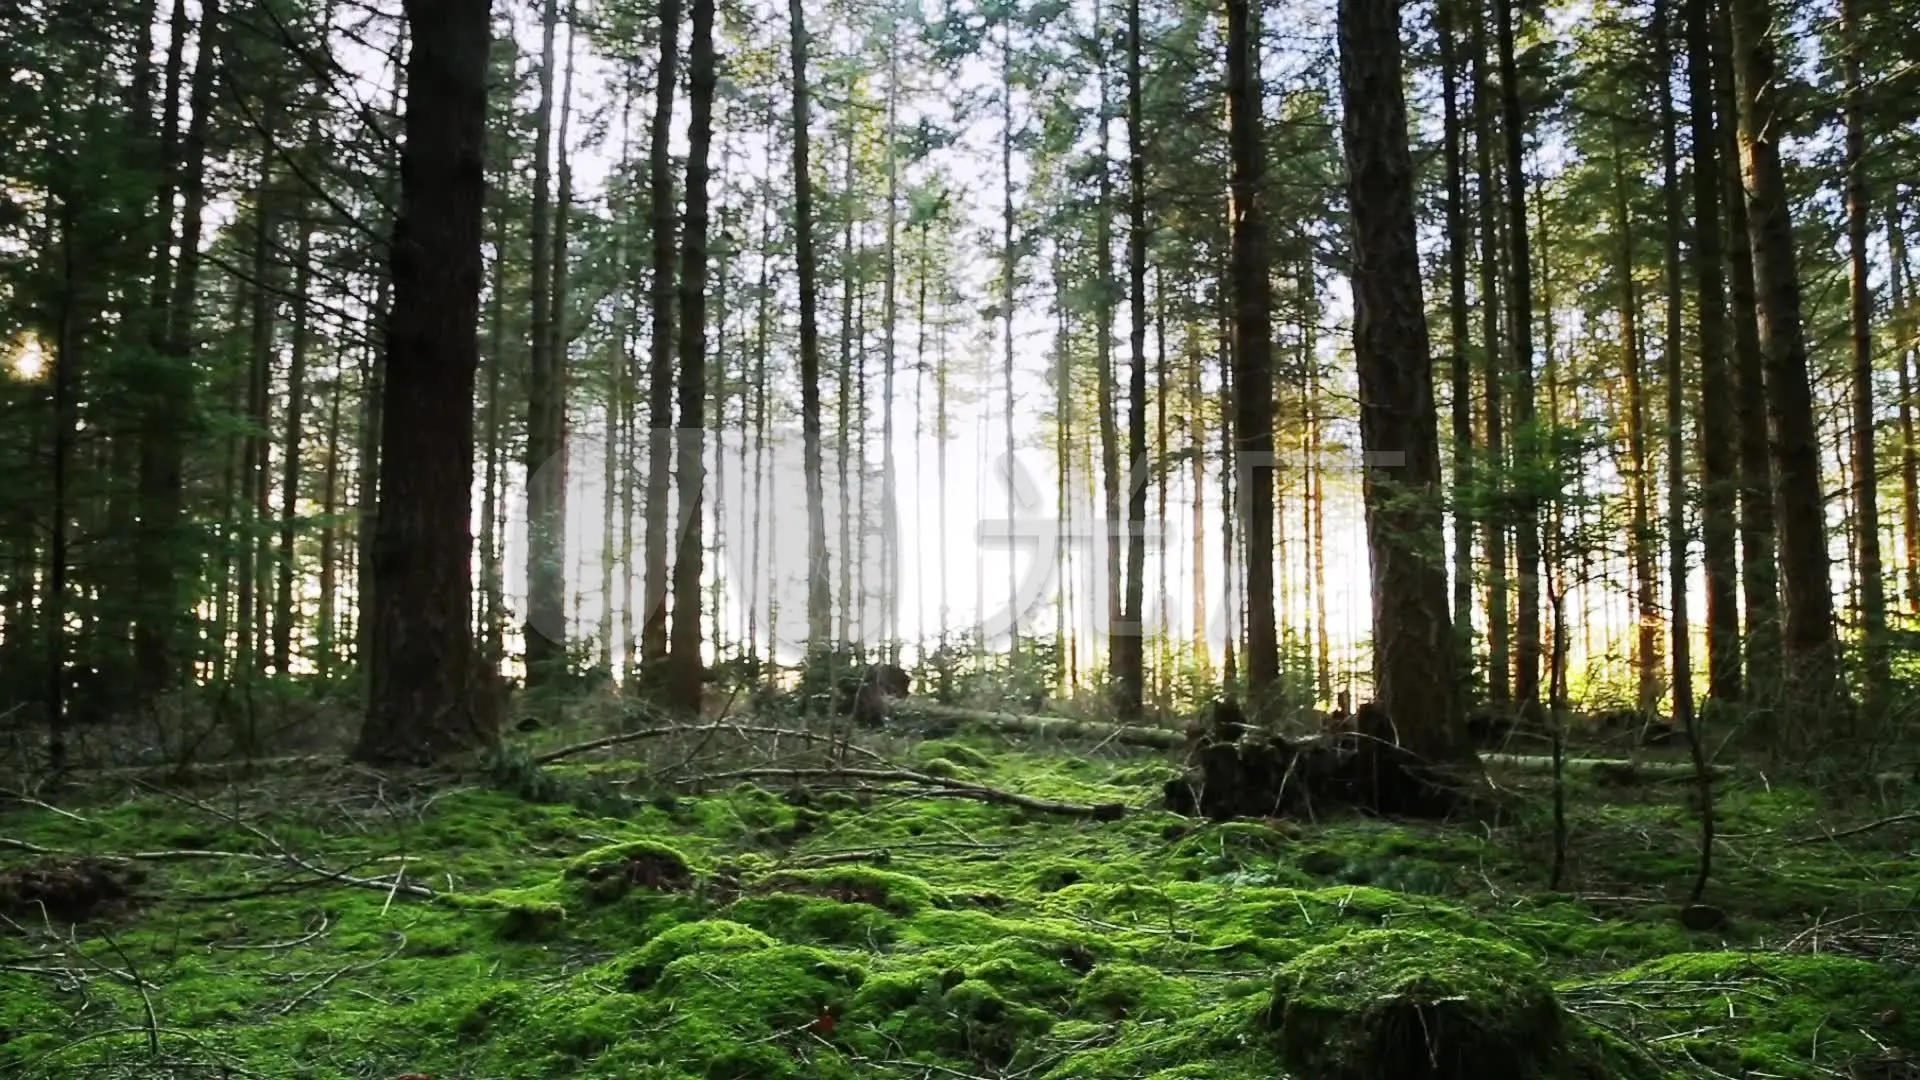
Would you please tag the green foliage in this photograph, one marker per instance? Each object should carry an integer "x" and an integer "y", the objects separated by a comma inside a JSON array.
[{"x": 696, "y": 937}]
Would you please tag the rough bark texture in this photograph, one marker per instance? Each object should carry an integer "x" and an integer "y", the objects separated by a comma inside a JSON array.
[
  {"x": 1413, "y": 639},
  {"x": 1759, "y": 577},
  {"x": 424, "y": 702},
  {"x": 1809, "y": 648}
]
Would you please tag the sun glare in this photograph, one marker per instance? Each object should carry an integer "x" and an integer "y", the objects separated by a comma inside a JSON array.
[{"x": 29, "y": 359}]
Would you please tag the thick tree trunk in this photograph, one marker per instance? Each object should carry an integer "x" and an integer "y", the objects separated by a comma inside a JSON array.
[
  {"x": 1413, "y": 644},
  {"x": 1759, "y": 575},
  {"x": 1253, "y": 342},
  {"x": 1809, "y": 647},
  {"x": 423, "y": 702},
  {"x": 688, "y": 563}
]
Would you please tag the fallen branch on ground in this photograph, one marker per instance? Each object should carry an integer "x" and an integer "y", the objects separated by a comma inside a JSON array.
[
  {"x": 1043, "y": 726},
  {"x": 938, "y": 785},
  {"x": 390, "y": 886},
  {"x": 643, "y": 734}
]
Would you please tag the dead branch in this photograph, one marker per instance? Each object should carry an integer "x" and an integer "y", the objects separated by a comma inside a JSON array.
[
  {"x": 643, "y": 734},
  {"x": 938, "y": 785}
]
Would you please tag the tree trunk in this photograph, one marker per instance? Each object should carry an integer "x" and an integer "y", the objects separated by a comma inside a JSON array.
[
  {"x": 660, "y": 438},
  {"x": 1526, "y": 653},
  {"x": 326, "y": 632},
  {"x": 423, "y": 703},
  {"x": 688, "y": 563},
  {"x": 286, "y": 605},
  {"x": 889, "y": 317},
  {"x": 1759, "y": 576},
  {"x": 1646, "y": 655},
  {"x": 1459, "y": 361},
  {"x": 1719, "y": 480},
  {"x": 1106, "y": 388},
  {"x": 1809, "y": 648},
  {"x": 1681, "y": 639},
  {"x": 1252, "y": 340},
  {"x": 162, "y": 563},
  {"x": 819, "y": 603},
  {"x": 545, "y": 624},
  {"x": 1413, "y": 646},
  {"x": 1866, "y": 477},
  {"x": 1499, "y": 585},
  {"x": 1901, "y": 288},
  {"x": 1130, "y": 644}
]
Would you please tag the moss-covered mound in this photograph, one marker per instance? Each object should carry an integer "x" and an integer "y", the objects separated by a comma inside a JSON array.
[{"x": 1415, "y": 1004}]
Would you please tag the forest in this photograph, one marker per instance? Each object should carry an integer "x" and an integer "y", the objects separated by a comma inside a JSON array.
[{"x": 990, "y": 539}]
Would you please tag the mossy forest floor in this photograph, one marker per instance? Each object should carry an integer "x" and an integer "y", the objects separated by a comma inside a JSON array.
[{"x": 753, "y": 933}]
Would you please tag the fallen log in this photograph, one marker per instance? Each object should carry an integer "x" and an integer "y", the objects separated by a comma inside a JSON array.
[
  {"x": 934, "y": 719},
  {"x": 939, "y": 720}
]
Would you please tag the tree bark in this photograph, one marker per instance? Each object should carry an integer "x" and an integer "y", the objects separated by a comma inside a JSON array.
[
  {"x": 1759, "y": 574},
  {"x": 819, "y": 602},
  {"x": 1130, "y": 644},
  {"x": 545, "y": 623},
  {"x": 161, "y": 568},
  {"x": 660, "y": 439},
  {"x": 1901, "y": 287},
  {"x": 688, "y": 563},
  {"x": 1526, "y": 653},
  {"x": 1866, "y": 477},
  {"x": 1413, "y": 645},
  {"x": 1718, "y": 429},
  {"x": 1459, "y": 360},
  {"x": 423, "y": 703},
  {"x": 1809, "y": 648},
  {"x": 1252, "y": 341}
]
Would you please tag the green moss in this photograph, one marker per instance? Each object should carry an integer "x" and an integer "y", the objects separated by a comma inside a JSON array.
[
  {"x": 1122, "y": 990},
  {"x": 1408, "y": 1003},
  {"x": 957, "y": 752},
  {"x": 901, "y": 894},
  {"x": 643, "y": 967},
  {"x": 992, "y": 941}
]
